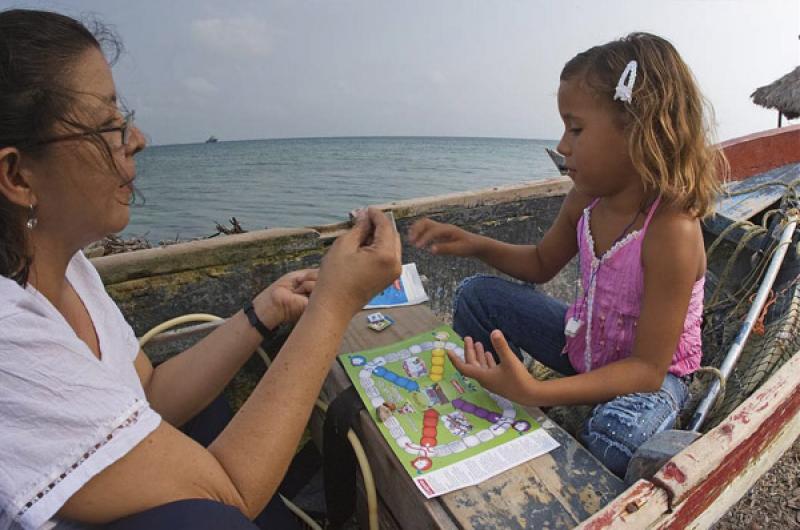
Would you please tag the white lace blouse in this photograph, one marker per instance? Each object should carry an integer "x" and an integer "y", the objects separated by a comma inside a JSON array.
[{"x": 64, "y": 414}]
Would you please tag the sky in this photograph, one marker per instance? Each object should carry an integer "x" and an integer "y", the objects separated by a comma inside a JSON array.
[{"x": 296, "y": 68}]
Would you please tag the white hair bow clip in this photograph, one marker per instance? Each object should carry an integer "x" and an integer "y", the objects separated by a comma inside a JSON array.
[{"x": 624, "y": 91}]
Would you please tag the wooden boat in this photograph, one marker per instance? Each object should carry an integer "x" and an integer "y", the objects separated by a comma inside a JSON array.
[{"x": 753, "y": 426}]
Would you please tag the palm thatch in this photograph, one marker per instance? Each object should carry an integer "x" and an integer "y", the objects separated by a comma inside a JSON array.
[{"x": 783, "y": 95}]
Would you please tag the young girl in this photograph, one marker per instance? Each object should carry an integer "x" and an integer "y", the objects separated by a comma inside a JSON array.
[{"x": 644, "y": 175}]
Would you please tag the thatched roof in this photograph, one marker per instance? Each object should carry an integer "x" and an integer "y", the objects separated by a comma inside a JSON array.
[{"x": 783, "y": 95}]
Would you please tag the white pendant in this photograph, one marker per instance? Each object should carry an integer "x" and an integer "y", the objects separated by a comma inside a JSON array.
[{"x": 572, "y": 327}]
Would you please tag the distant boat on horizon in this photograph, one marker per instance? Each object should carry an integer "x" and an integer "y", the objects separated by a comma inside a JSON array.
[{"x": 212, "y": 139}]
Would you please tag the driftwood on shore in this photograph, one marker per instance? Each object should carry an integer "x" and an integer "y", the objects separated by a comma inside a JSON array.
[{"x": 113, "y": 244}]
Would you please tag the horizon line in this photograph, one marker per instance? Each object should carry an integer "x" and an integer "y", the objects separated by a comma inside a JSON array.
[{"x": 355, "y": 137}]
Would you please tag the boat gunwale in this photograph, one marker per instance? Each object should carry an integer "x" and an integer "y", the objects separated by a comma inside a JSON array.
[{"x": 712, "y": 462}]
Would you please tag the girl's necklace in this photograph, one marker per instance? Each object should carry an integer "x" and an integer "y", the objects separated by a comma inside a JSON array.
[{"x": 575, "y": 322}]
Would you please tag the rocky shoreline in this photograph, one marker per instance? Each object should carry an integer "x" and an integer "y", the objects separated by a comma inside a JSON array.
[
  {"x": 114, "y": 244},
  {"x": 773, "y": 502}
]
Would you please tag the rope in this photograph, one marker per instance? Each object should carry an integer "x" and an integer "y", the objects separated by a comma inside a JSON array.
[
  {"x": 358, "y": 448},
  {"x": 758, "y": 326},
  {"x": 713, "y": 370},
  {"x": 725, "y": 310},
  {"x": 751, "y": 232},
  {"x": 791, "y": 188}
]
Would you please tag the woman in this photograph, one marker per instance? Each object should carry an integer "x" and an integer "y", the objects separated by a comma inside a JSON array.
[{"x": 90, "y": 430}]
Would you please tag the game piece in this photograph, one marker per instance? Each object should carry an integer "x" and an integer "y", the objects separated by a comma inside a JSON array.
[
  {"x": 373, "y": 318},
  {"x": 383, "y": 413},
  {"x": 379, "y": 325},
  {"x": 437, "y": 362}
]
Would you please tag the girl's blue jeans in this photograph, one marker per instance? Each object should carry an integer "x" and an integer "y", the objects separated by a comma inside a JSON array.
[{"x": 534, "y": 322}]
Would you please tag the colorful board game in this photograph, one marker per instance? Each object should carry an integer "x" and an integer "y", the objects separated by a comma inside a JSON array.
[{"x": 447, "y": 431}]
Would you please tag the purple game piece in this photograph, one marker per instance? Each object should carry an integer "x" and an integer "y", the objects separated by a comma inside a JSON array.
[
  {"x": 493, "y": 417},
  {"x": 481, "y": 413},
  {"x": 468, "y": 407},
  {"x": 458, "y": 403}
]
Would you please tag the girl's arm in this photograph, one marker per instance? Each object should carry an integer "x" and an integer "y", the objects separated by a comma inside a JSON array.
[
  {"x": 185, "y": 384},
  {"x": 673, "y": 259},
  {"x": 529, "y": 263},
  {"x": 539, "y": 263}
]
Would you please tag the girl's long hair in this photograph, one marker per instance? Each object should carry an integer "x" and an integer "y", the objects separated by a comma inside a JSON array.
[{"x": 667, "y": 122}]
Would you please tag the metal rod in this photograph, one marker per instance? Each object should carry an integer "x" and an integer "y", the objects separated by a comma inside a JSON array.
[{"x": 744, "y": 332}]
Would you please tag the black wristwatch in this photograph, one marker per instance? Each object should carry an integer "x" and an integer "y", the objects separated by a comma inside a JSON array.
[{"x": 250, "y": 311}]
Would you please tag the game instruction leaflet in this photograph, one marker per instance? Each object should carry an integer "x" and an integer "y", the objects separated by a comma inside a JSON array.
[{"x": 405, "y": 290}]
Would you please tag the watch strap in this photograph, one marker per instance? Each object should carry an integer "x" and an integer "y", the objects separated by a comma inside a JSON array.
[{"x": 250, "y": 312}]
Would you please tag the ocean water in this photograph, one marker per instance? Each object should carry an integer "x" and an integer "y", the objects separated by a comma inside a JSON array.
[{"x": 311, "y": 181}]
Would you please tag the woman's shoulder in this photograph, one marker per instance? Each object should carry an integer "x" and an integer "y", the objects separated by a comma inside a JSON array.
[{"x": 17, "y": 300}]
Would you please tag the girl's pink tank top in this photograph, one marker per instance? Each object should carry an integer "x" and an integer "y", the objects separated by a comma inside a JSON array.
[{"x": 609, "y": 306}]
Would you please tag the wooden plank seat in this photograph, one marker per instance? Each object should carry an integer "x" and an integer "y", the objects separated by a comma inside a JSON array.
[{"x": 556, "y": 490}]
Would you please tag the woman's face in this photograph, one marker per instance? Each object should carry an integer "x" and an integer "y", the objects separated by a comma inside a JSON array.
[{"x": 79, "y": 195}]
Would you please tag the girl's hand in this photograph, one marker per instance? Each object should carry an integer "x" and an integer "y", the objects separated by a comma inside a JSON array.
[
  {"x": 443, "y": 238},
  {"x": 360, "y": 264},
  {"x": 509, "y": 378},
  {"x": 286, "y": 299}
]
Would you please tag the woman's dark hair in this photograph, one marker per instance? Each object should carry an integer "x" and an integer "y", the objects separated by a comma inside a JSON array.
[{"x": 37, "y": 49}]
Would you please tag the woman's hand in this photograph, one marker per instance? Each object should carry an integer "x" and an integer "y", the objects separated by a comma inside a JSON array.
[
  {"x": 286, "y": 299},
  {"x": 360, "y": 264},
  {"x": 509, "y": 378},
  {"x": 442, "y": 238}
]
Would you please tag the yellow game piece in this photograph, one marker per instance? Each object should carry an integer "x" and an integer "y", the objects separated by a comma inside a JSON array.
[
  {"x": 437, "y": 370},
  {"x": 436, "y": 378},
  {"x": 438, "y": 352},
  {"x": 437, "y": 361}
]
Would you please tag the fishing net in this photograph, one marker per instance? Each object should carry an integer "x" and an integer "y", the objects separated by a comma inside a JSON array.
[{"x": 776, "y": 334}]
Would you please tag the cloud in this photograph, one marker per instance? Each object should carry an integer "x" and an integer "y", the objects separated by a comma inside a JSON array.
[
  {"x": 200, "y": 86},
  {"x": 239, "y": 35},
  {"x": 437, "y": 78}
]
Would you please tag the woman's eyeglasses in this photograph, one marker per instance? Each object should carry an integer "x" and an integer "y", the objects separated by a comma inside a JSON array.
[{"x": 124, "y": 130}]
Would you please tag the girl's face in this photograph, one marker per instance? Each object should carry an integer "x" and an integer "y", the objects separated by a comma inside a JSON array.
[
  {"x": 594, "y": 144},
  {"x": 79, "y": 196}
]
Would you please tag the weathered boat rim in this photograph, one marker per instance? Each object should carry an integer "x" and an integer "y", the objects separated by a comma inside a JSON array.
[
  {"x": 218, "y": 251},
  {"x": 682, "y": 477}
]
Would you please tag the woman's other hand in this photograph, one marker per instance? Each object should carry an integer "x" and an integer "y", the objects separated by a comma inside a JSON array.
[
  {"x": 360, "y": 264},
  {"x": 442, "y": 238},
  {"x": 286, "y": 299}
]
